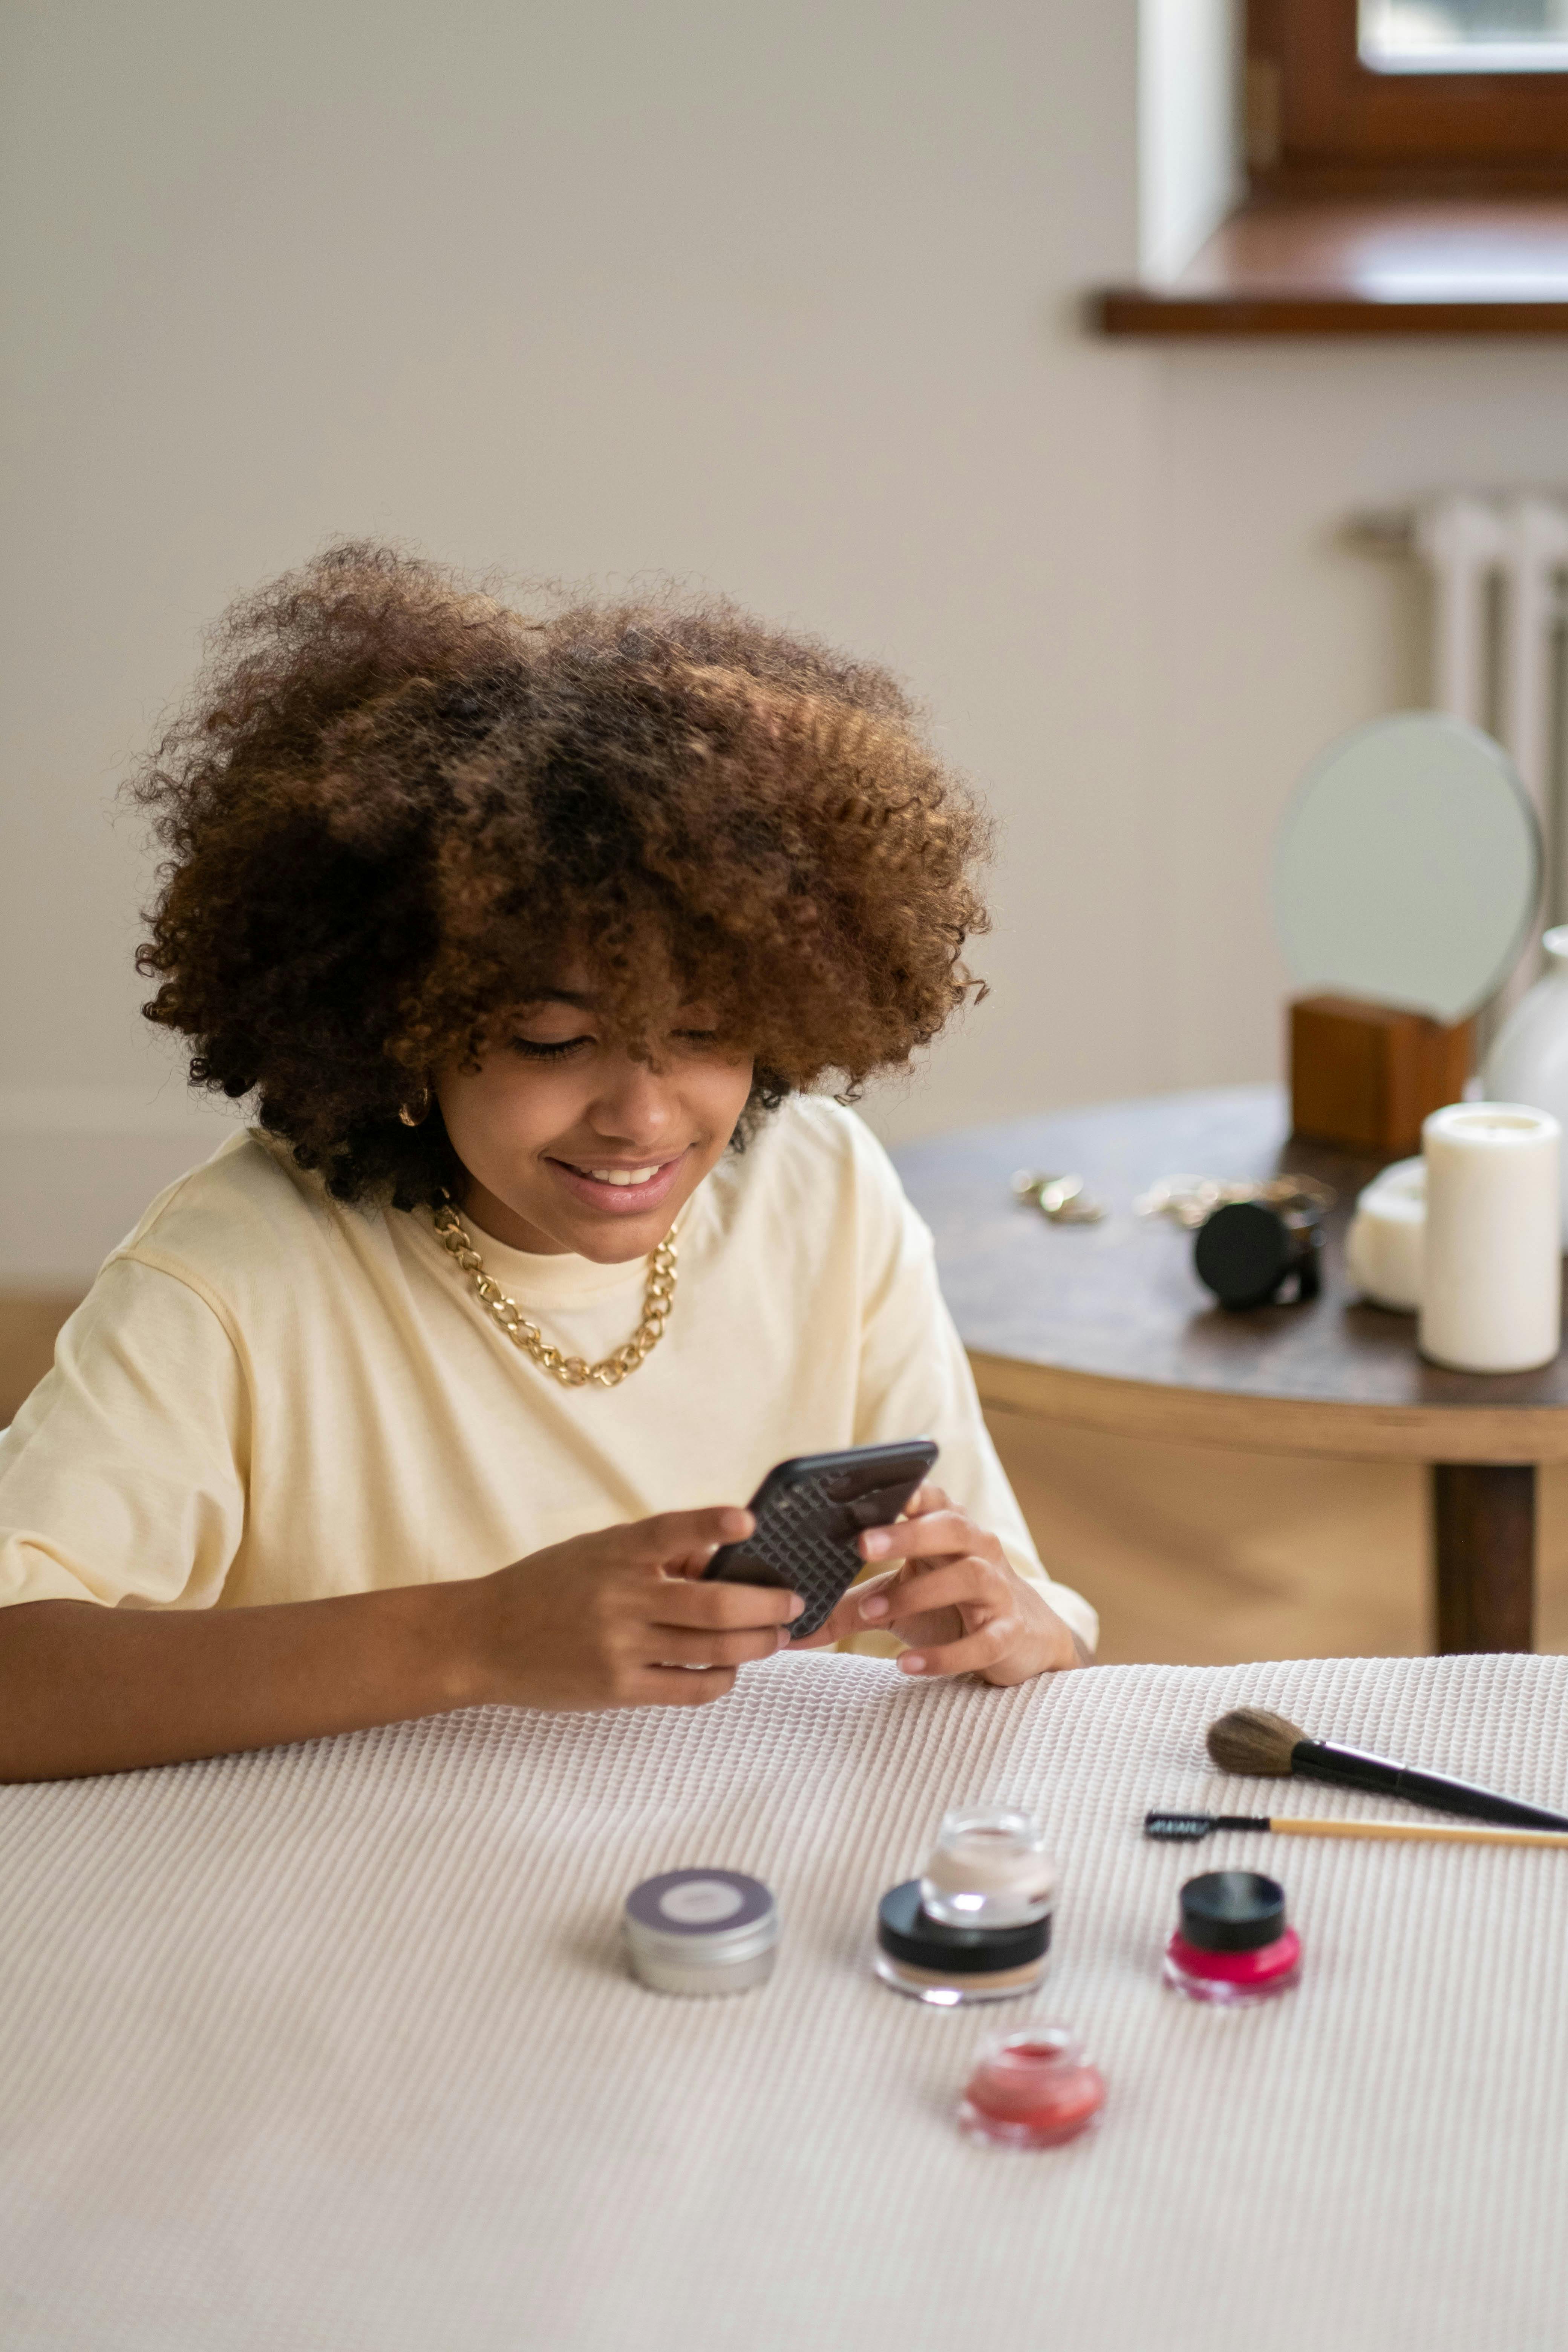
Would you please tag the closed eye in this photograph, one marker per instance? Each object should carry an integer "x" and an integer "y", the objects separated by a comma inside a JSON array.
[{"x": 531, "y": 1051}]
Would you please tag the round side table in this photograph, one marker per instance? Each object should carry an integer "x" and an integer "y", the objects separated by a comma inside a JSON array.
[{"x": 1108, "y": 1326}]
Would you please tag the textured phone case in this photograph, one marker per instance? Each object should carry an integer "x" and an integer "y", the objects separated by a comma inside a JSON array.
[{"x": 806, "y": 1537}]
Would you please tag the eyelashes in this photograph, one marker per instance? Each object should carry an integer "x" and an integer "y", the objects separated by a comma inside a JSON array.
[{"x": 531, "y": 1051}]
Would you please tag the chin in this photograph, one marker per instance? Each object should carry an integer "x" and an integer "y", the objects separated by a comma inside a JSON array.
[{"x": 622, "y": 1247}]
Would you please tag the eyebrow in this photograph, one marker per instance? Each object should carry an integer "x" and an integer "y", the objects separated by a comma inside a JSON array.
[{"x": 561, "y": 996}]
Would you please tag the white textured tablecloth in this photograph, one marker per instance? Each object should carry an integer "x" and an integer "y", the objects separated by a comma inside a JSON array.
[{"x": 332, "y": 2047}]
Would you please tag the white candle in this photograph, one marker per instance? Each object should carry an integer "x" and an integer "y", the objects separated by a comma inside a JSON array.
[
  {"x": 1493, "y": 1277},
  {"x": 1383, "y": 1247}
]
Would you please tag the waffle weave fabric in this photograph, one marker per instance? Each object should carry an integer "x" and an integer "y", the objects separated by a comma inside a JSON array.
[{"x": 333, "y": 2047}]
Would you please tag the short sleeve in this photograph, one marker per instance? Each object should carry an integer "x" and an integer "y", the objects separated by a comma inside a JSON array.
[
  {"x": 123, "y": 1477},
  {"x": 915, "y": 1380}
]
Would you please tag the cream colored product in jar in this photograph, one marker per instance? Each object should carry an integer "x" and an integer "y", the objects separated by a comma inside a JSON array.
[
  {"x": 988, "y": 1869},
  {"x": 976, "y": 1924}
]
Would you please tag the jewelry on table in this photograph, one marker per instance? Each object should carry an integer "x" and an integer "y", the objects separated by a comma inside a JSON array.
[
  {"x": 572, "y": 1372},
  {"x": 1191, "y": 1200},
  {"x": 1062, "y": 1199}
]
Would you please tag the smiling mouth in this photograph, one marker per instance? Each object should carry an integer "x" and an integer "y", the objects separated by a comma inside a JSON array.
[
  {"x": 619, "y": 1175},
  {"x": 629, "y": 1186}
]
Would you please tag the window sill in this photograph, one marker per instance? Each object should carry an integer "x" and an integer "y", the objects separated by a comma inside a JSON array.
[{"x": 1383, "y": 267}]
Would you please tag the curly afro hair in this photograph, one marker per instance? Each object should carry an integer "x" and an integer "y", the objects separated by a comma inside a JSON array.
[{"x": 394, "y": 806}]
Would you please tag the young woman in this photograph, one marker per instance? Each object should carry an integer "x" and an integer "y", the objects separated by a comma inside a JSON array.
[{"x": 533, "y": 944}]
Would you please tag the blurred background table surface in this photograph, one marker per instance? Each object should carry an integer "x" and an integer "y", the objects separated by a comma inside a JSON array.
[
  {"x": 334, "y": 2045},
  {"x": 1107, "y": 1326}
]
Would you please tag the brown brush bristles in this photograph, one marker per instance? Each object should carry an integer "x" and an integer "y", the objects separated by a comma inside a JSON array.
[
  {"x": 1253, "y": 1743},
  {"x": 394, "y": 807}
]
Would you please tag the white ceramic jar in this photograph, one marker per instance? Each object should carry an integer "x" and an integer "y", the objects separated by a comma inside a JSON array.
[{"x": 1529, "y": 1059}]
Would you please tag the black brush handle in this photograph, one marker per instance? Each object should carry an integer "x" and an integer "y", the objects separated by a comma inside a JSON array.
[
  {"x": 1347, "y": 1768},
  {"x": 1187, "y": 1828}
]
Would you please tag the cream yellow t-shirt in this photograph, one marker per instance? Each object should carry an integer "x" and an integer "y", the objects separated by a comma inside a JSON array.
[{"x": 266, "y": 1396}]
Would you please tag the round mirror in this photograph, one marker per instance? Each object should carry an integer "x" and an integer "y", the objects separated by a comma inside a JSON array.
[{"x": 1408, "y": 867}]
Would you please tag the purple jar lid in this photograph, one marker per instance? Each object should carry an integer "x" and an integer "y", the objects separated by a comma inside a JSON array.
[{"x": 700, "y": 1904}]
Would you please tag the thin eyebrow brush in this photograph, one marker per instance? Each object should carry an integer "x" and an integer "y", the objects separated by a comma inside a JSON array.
[{"x": 1187, "y": 1827}]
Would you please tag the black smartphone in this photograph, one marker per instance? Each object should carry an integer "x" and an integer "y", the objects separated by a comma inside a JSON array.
[{"x": 809, "y": 1512}]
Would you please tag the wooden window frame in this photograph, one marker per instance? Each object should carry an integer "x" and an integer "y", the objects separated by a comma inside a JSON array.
[{"x": 1320, "y": 123}]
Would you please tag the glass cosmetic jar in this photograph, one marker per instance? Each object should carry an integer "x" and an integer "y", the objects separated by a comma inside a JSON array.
[
  {"x": 1232, "y": 1946},
  {"x": 1032, "y": 2090},
  {"x": 701, "y": 1931},
  {"x": 976, "y": 1926},
  {"x": 989, "y": 1869}
]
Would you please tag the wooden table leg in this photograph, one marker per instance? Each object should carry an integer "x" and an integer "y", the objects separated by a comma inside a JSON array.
[{"x": 1483, "y": 1527}]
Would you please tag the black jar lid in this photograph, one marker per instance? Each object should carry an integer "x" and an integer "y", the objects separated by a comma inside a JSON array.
[
  {"x": 1233, "y": 1911},
  {"x": 1243, "y": 1252},
  {"x": 907, "y": 1932}
]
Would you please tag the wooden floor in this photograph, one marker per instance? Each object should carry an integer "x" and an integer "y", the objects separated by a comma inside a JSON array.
[{"x": 1193, "y": 1558}]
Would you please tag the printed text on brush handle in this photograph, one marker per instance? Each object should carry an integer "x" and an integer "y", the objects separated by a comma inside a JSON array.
[
  {"x": 1191, "y": 1826},
  {"x": 1315, "y": 1760}
]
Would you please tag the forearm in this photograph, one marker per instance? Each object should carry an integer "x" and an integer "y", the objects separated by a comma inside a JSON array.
[{"x": 89, "y": 1689}]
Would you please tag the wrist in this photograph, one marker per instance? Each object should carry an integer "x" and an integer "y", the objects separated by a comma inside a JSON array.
[{"x": 453, "y": 1630}]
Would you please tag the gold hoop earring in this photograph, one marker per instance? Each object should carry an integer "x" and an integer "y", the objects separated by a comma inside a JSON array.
[{"x": 416, "y": 1118}]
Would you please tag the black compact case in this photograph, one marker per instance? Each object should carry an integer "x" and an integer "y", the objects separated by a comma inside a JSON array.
[{"x": 810, "y": 1512}]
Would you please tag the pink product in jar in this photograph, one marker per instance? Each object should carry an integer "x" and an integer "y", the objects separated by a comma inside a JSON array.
[
  {"x": 1233, "y": 1947},
  {"x": 1032, "y": 2090}
]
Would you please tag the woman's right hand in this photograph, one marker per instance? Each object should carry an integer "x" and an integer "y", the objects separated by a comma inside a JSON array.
[{"x": 620, "y": 1619}]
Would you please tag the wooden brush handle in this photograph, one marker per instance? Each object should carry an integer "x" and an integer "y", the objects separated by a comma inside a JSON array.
[{"x": 1430, "y": 1832}]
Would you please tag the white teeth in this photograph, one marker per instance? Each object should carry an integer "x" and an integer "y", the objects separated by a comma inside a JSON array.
[{"x": 623, "y": 1175}]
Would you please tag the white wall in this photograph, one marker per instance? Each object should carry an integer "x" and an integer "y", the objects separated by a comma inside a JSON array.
[{"x": 783, "y": 301}]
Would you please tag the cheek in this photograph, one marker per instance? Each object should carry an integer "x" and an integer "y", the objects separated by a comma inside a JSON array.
[
  {"x": 721, "y": 1096},
  {"x": 509, "y": 1107}
]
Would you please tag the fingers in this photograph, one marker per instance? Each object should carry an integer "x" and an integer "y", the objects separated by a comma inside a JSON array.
[
  {"x": 928, "y": 1537},
  {"x": 722, "y": 1607},
  {"x": 848, "y": 1618},
  {"x": 972, "y": 1655},
  {"x": 949, "y": 1585},
  {"x": 673, "y": 1646},
  {"x": 678, "y": 1686},
  {"x": 958, "y": 1617},
  {"x": 684, "y": 1535}
]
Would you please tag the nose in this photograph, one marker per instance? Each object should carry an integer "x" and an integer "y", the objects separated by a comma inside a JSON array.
[{"x": 635, "y": 1107}]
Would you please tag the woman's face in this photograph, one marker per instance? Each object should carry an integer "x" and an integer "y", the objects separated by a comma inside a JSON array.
[{"x": 570, "y": 1145}]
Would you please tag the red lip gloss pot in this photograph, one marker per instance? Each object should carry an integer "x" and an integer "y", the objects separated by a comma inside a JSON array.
[
  {"x": 1233, "y": 1947},
  {"x": 1032, "y": 2090}
]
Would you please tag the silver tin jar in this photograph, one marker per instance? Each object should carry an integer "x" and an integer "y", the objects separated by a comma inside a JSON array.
[{"x": 701, "y": 1931}]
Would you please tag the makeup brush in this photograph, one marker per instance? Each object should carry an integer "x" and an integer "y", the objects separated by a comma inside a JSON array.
[
  {"x": 1253, "y": 1742},
  {"x": 1189, "y": 1827}
]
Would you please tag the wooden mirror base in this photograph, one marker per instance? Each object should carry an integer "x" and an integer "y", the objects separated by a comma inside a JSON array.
[{"x": 1364, "y": 1076}]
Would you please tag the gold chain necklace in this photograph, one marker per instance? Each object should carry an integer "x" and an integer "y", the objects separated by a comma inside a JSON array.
[{"x": 570, "y": 1371}]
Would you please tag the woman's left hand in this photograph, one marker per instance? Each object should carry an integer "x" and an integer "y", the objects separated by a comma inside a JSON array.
[{"x": 956, "y": 1600}]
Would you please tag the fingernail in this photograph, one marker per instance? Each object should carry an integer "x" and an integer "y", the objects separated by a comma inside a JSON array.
[
  {"x": 875, "y": 1607},
  {"x": 873, "y": 1546},
  {"x": 912, "y": 1665},
  {"x": 796, "y": 1608}
]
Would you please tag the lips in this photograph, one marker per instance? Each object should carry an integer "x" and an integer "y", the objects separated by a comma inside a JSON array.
[{"x": 623, "y": 1192}]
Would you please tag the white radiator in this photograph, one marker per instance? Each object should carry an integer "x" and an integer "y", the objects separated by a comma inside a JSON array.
[{"x": 1498, "y": 567}]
